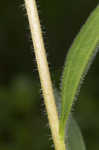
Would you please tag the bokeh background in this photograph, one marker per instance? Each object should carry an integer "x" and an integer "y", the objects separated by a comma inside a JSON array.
[{"x": 23, "y": 121}]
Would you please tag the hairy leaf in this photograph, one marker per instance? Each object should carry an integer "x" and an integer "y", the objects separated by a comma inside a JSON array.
[
  {"x": 77, "y": 63},
  {"x": 74, "y": 138}
]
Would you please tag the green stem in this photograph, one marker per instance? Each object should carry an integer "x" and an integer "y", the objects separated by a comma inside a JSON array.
[{"x": 44, "y": 73}]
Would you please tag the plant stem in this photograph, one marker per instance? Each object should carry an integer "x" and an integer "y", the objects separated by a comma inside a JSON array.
[{"x": 44, "y": 73}]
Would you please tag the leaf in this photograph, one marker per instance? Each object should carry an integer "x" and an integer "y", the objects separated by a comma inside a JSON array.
[
  {"x": 77, "y": 63},
  {"x": 74, "y": 138}
]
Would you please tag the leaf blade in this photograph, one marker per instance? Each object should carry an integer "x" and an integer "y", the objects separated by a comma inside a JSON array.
[
  {"x": 74, "y": 137},
  {"x": 77, "y": 62}
]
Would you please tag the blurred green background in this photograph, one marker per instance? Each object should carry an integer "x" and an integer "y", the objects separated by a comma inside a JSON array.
[{"x": 23, "y": 121}]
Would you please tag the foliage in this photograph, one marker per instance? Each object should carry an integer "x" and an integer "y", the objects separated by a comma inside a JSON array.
[{"x": 78, "y": 61}]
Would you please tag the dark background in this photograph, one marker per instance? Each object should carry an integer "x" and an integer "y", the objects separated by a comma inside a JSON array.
[{"x": 23, "y": 121}]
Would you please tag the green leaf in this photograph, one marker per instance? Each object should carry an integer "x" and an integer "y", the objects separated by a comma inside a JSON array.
[
  {"x": 74, "y": 137},
  {"x": 77, "y": 63}
]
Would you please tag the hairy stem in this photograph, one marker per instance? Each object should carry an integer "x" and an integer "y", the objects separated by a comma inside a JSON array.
[{"x": 44, "y": 73}]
